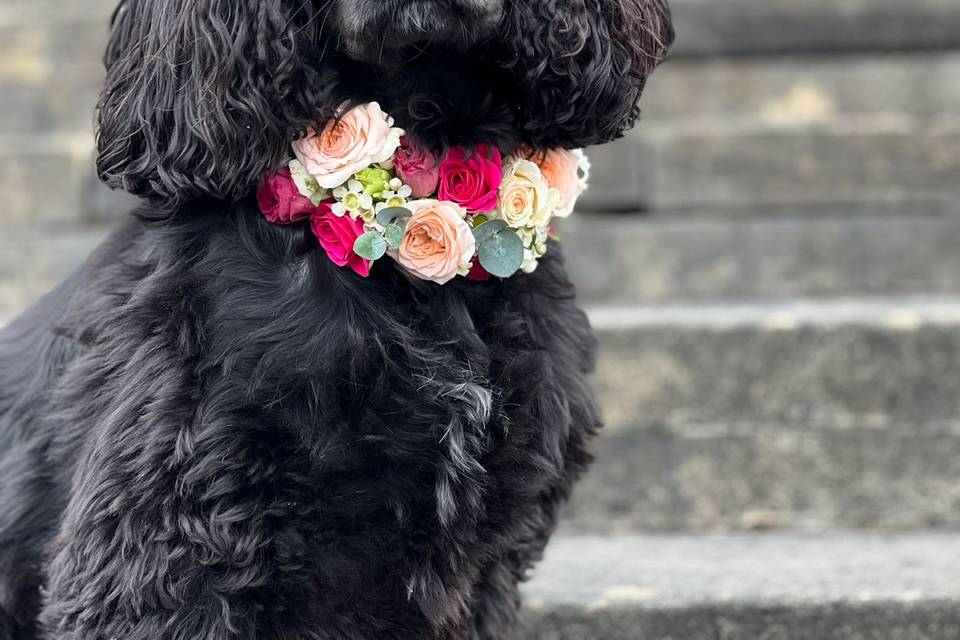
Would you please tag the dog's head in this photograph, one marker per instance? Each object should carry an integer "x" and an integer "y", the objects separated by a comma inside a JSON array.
[{"x": 203, "y": 96}]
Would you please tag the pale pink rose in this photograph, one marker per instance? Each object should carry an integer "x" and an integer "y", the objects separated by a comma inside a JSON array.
[
  {"x": 438, "y": 244},
  {"x": 561, "y": 169},
  {"x": 365, "y": 135}
]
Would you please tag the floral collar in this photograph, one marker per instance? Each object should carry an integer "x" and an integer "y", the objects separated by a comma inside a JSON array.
[{"x": 368, "y": 192}]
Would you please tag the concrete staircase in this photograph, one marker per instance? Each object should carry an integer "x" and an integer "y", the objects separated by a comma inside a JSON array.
[{"x": 770, "y": 263}]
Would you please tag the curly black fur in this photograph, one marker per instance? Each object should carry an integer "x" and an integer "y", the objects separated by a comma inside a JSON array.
[{"x": 210, "y": 431}]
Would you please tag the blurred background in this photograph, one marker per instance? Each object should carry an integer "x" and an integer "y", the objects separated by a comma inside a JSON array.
[{"x": 772, "y": 263}]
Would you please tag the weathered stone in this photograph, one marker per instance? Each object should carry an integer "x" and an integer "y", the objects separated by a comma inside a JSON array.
[
  {"x": 770, "y": 586},
  {"x": 716, "y": 256},
  {"x": 33, "y": 259},
  {"x": 42, "y": 177},
  {"x": 832, "y": 363},
  {"x": 889, "y": 159},
  {"x": 794, "y": 90},
  {"x": 755, "y": 475},
  {"x": 711, "y": 27}
]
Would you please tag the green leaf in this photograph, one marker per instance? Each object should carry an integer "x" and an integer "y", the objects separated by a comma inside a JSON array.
[
  {"x": 488, "y": 229},
  {"x": 317, "y": 197},
  {"x": 394, "y": 234},
  {"x": 501, "y": 253},
  {"x": 388, "y": 215},
  {"x": 370, "y": 246}
]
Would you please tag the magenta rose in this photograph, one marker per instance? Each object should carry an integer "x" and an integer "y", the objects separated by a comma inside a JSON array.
[
  {"x": 337, "y": 235},
  {"x": 280, "y": 200},
  {"x": 471, "y": 181},
  {"x": 418, "y": 168}
]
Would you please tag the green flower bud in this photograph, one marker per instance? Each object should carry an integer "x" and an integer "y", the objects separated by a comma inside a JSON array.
[{"x": 374, "y": 180}]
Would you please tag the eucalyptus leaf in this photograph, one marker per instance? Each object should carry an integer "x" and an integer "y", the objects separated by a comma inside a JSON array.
[
  {"x": 393, "y": 234},
  {"x": 488, "y": 229},
  {"x": 388, "y": 215},
  {"x": 501, "y": 254},
  {"x": 370, "y": 246}
]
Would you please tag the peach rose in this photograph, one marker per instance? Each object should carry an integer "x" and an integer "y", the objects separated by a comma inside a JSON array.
[
  {"x": 365, "y": 135},
  {"x": 526, "y": 200},
  {"x": 438, "y": 244},
  {"x": 562, "y": 170}
]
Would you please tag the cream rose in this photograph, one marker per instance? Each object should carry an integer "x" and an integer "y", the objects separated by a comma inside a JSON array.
[
  {"x": 562, "y": 170},
  {"x": 438, "y": 244},
  {"x": 526, "y": 200},
  {"x": 365, "y": 135}
]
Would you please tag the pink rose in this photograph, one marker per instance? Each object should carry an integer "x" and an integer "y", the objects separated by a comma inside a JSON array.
[
  {"x": 363, "y": 136},
  {"x": 337, "y": 235},
  {"x": 417, "y": 167},
  {"x": 472, "y": 182},
  {"x": 280, "y": 200},
  {"x": 561, "y": 168},
  {"x": 438, "y": 244}
]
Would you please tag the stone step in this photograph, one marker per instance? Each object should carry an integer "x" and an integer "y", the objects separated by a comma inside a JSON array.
[
  {"x": 841, "y": 586},
  {"x": 759, "y": 27},
  {"x": 49, "y": 178},
  {"x": 26, "y": 13},
  {"x": 34, "y": 258},
  {"x": 875, "y": 159},
  {"x": 713, "y": 256},
  {"x": 818, "y": 414},
  {"x": 802, "y": 89}
]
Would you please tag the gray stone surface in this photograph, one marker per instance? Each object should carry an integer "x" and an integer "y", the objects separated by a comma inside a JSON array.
[
  {"x": 34, "y": 258},
  {"x": 764, "y": 475},
  {"x": 803, "y": 89},
  {"x": 709, "y": 27},
  {"x": 732, "y": 255},
  {"x": 777, "y": 587},
  {"x": 883, "y": 158},
  {"x": 832, "y": 362}
]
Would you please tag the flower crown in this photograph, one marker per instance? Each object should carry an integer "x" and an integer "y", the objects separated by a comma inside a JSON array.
[{"x": 368, "y": 193}]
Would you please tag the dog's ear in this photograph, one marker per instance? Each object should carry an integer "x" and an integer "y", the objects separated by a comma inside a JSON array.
[
  {"x": 203, "y": 96},
  {"x": 583, "y": 65}
]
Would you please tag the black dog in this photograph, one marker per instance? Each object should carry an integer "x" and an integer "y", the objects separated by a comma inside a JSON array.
[{"x": 209, "y": 431}]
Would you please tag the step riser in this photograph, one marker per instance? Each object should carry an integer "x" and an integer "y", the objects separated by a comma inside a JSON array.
[
  {"x": 798, "y": 90},
  {"x": 839, "y": 375},
  {"x": 894, "y": 621},
  {"x": 738, "y": 27},
  {"x": 630, "y": 260},
  {"x": 768, "y": 476},
  {"x": 891, "y": 161}
]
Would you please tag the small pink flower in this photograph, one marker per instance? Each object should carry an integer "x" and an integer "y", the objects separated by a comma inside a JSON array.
[
  {"x": 438, "y": 244},
  {"x": 280, "y": 200},
  {"x": 472, "y": 182},
  {"x": 417, "y": 167},
  {"x": 337, "y": 235}
]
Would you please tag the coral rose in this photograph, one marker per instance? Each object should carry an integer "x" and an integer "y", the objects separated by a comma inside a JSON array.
[
  {"x": 438, "y": 243},
  {"x": 363, "y": 136},
  {"x": 526, "y": 200},
  {"x": 417, "y": 168},
  {"x": 280, "y": 200},
  {"x": 561, "y": 168},
  {"x": 471, "y": 181},
  {"x": 337, "y": 235}
]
